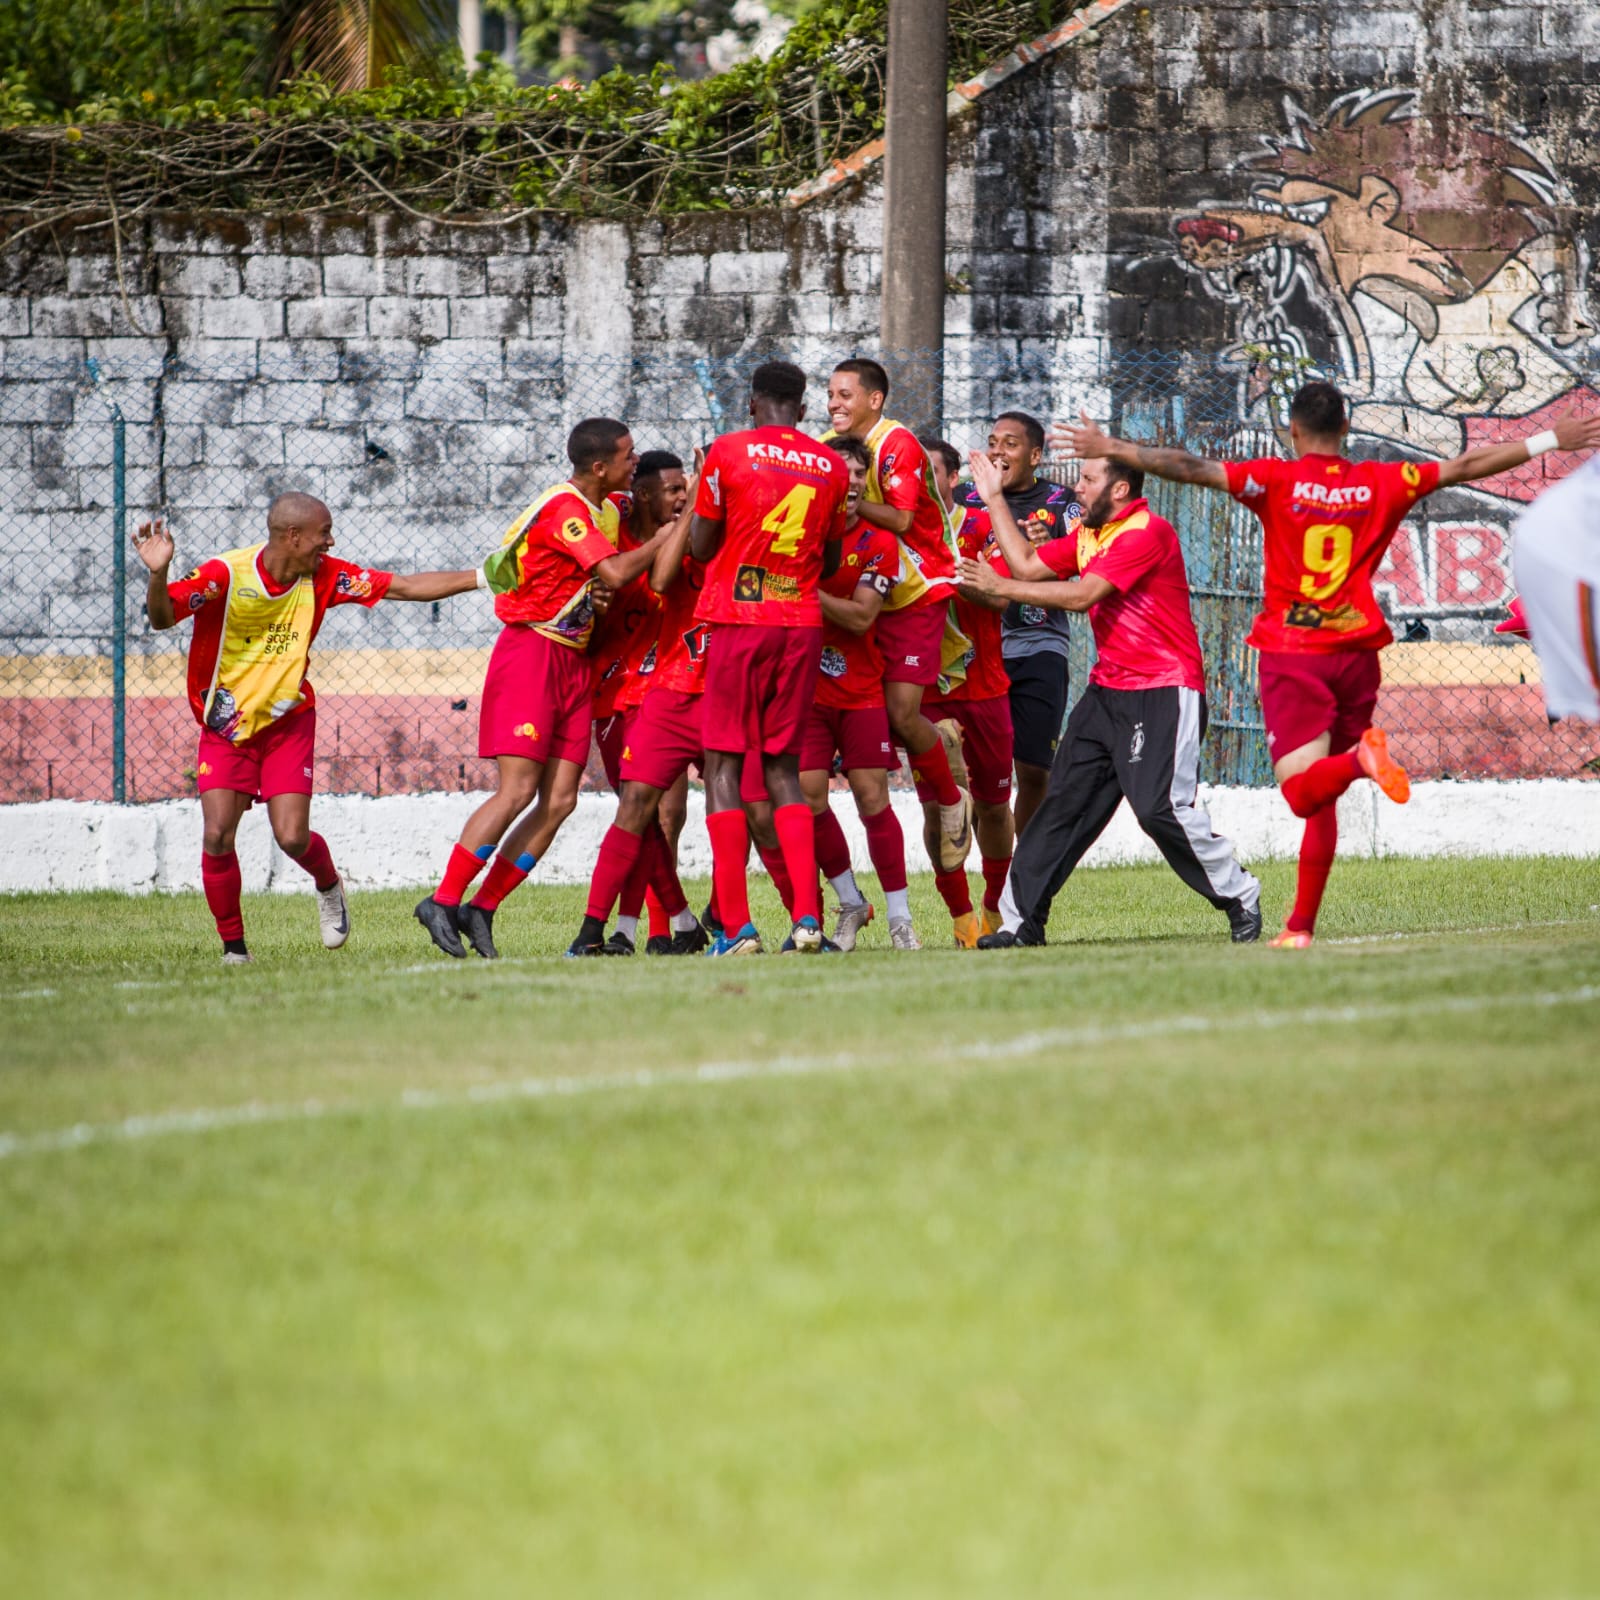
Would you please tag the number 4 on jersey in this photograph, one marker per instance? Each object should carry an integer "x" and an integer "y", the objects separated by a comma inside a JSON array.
[{"x": 787, "y": 519}]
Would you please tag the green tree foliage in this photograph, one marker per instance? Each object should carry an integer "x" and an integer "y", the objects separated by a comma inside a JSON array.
[{"x": 355, "y": 44}]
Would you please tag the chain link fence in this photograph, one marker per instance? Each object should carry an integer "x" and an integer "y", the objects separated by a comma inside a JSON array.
[{"x": 426, "y": 454}]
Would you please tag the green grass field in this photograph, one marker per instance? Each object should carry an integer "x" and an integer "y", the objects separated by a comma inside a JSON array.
[{"x": 1137, "y": 1266}]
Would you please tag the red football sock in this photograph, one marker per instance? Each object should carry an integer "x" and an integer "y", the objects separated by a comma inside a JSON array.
[
  {"x": 833, "y": 849},
  {"x": 222, "y": 881},
  {"x": 660, "y": 921},
  {"x": 318, "y": 861},
  {"x": 953, "y": 890},
  {"x": 730, "y": 846},
  {"x": 1317, "y": 849},
  {"x": 797, "y": 838},
  {"x": 995, "y": 871},
  {"x": 886, "y": 844},
  {"x": 665, "y": 889},
  {"x": 504, "y": 876},
  {"x": 932, "y": 767},
  {"x": 1321, "y": 783},
  {"x": 619, "y": 855},
  {"x": 459, "y": 872}
]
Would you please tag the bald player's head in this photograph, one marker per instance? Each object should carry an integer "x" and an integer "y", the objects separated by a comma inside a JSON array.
[
  {"x": 295, "y": 510},
  {"x": 299, "y": 534}
]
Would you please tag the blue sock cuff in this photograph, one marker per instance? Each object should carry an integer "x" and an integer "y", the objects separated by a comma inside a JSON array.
[
  {"x": 526, "y": 863},
  {"x": 484, "y": 851}
]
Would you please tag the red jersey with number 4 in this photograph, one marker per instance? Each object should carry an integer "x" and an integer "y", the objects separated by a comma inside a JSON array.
[
  {"x": 680, "y": 662},
  {"x": 1144, "y": 632},
  {"x": 986, "y": 677},
  {"x": 1327, "y": 523},
  {"x": 780, "y": 496},
  {"x": 851, "y": 674}
]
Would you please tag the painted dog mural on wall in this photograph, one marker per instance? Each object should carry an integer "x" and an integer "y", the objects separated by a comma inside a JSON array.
[{"x": 1433, "y": 267}]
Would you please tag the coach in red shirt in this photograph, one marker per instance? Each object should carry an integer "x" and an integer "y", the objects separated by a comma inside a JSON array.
[{"x": 1135, "y": 734}]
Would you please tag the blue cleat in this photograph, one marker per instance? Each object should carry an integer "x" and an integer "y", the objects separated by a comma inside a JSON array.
[
  {"x": 746, "y": 942},
  {"x": 805, "y": 937}
]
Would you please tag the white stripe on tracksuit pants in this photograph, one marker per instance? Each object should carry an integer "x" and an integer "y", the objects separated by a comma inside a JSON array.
[{"x": 1142, "y": 745}]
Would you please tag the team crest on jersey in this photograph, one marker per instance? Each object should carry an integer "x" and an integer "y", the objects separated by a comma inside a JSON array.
[
  {"x": 1412, "y": 474},
  {"x": 358, "y": 585},
  {"x": 834, "y": 664},
  {"x": 1035, "y": 616},
  {"x": 573, "y": 530},
  {"x": 750, "y": 585}
]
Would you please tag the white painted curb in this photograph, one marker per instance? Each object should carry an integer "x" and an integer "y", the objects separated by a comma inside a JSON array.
[{"x": 402, "y": 841}]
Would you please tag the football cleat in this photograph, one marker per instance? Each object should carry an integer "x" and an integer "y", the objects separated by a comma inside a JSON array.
[
  {"x": 955, "y": 834},
  {"x": 968, "y": 930},
  {"x": 1291, "y": 939},
  {"x": 805, "y": 936},
  {"x": 590, "y": 940},
  {"x": 949, "y": 732},
  {"x": 711, "y": 922},
  {"x": 852, "y": 919},
  {"x": 1373, "y": 756},
  {"x": 659, "y": 944},
  {"x": 902, "y": 936},
  {"x": 477, "y": 926},
  {"x": 1244, "y": 922},
  {"x": 619, "y": 944},
  {"x": 988, "y": 921},
  {"x": 440, "y": 921},
  {"x": 333, "y": 915},
  {"x": 688, "y": 941},
  {"x": 237, "y": 958},
  {"x": 829, "y": 948},
  {"x": 746, "y": 942},
  {"x": 1004, "y": 939}
]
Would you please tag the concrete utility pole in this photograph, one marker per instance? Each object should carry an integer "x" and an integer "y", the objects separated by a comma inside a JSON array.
[{"x": 911, "y": 321}]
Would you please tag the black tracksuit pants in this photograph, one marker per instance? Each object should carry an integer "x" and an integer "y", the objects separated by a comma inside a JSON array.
[{"x": 1138, "y": 745}]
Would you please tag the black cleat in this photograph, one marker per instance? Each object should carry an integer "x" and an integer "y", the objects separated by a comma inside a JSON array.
[
  {"x": 619, "y": 944},
  {"x": 711, "y": 925},
  {"x": 659, "y": 944},
  {"x": 689, "y": 941},
  {"x": 1245, "y": 924},
  {"x": 1000, "y": 939},
  {"x": 440, "y": 921},
  {"x": 477, "y": 928},
  {"x": 590, "y": 940}
]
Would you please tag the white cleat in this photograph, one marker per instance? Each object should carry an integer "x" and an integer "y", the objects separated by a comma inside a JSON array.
[
  {"x": 902, "y": 936},
  {"x": 237, "y": 958},
  {"x": 955, "y": 834},
  {"x": 333, "y": 915},
  {"x": 852, "y": 919}
]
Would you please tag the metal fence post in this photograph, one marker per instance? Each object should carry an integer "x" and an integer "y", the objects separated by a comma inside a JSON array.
[{"x": 119, "y": 593}]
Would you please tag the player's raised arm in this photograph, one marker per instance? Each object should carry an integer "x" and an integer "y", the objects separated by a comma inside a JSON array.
[
  {"x": 153, "y": 542},
  {"x": 1020, "y": 555},
  {"x": 434, "y": 585},
  {"x": 1086, "y": 440},
  {"x": 1571, "y": 433}
]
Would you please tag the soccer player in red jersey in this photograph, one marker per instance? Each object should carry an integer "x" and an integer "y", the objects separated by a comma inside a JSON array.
[
  {"x": 978, "y": 706},
  {"x": 623, "y": 638},
  {"x": 664, "y": 738},
  {"x": 848, "y": 720},
  {"x": 769, "y": 514},
  {"x": 256, "y": 611},
  {"x": 1327, "y": 522},
  {"x": 900, "y": 496},
  {"x": 1135, "y": 732},
  {"x": 535, "y": 718}
]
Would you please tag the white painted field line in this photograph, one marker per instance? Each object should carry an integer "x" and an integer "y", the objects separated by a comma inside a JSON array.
[{"x": 212, "y": 1119}]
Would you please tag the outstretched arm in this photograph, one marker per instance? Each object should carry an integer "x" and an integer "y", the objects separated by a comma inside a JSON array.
[
  {"x": 153, "y": 542},
  {"x": 431, "y": 585},
  {"x": 1086, "y": 440},
  {"x": 1571, "y": 433},
  {"x": 1054, "y": 595},
  {"x": 1020, "y": 555}
]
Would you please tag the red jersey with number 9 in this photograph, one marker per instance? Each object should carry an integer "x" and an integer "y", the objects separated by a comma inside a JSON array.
[
  {"x": 780, "y": 496},
  {"x": 1327, "y": 523}
]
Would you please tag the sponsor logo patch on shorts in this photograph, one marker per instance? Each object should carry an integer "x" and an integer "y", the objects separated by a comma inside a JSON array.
[{"x": 525, "y": 730}]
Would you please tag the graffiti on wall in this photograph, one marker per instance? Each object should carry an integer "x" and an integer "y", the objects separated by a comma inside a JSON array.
[{"x": 1432, "y": 265}]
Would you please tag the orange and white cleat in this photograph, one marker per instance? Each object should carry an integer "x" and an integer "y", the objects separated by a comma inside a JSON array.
[
  {"x": 967, "y": 931},
  {"x": 1291, "y": 939},
  {"x": 1374, "y": 758}
]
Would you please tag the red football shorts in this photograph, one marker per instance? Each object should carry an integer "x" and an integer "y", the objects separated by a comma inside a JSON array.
[
  {"x": 278, "y": 760},
  {"x": 911, "y": 641},
  {"x": 664, "y": 738},
  {"x": 536, "y": 699},
  {"x": 1306, "y": 693},
  {"x": 859, "y": 735},
  {"x": 985, "y": 742},
  {"x": 610, "y": 735},
  {"x": 759, "y": 686}
]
